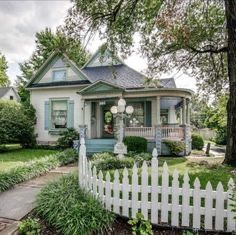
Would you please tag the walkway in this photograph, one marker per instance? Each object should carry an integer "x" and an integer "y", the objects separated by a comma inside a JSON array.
[{"x": 16, "y": 203}]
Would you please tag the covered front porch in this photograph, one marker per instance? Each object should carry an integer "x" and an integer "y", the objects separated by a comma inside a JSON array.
[{"x": 158, "y": 115}]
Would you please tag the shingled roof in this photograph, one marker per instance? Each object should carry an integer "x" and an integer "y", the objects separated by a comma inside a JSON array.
[
  {"x": 4, "y": 90},
  {"x": 121, "y": 75}
]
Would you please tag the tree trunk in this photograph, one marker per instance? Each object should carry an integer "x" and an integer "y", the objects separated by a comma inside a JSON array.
[{"x": 230, "y": 12}]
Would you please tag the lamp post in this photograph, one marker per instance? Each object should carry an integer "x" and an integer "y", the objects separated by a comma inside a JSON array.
[{"x": 121, "y": 111}]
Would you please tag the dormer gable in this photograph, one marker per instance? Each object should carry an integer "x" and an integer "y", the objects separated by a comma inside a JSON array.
[
  {"x": 103, "y": 58},
  {"x": 57, "y": 69}
]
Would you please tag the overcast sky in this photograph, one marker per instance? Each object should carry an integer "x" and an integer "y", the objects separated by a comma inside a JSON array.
[{"x": 21, "y": 19}]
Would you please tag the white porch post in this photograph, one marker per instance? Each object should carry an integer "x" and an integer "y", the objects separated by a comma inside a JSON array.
[
  {"x": 188, "y": 111},
  {"x": 180, "y": 116},
  {"x": 158, "y": 101},
  {"x": 172, "y": 115},
  {"x": 184, "y": 111},
  {"x": 158, "y": 126}
]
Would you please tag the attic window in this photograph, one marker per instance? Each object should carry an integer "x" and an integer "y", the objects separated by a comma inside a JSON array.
[{"x": 59, "y": 75}]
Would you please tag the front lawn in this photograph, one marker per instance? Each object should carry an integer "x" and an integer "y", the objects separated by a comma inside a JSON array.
[
  {"x": 205, "y": 168},
  {"x": 18, "y": 156}
]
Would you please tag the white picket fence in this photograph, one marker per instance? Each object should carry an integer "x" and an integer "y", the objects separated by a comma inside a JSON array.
[{"x": 164, "y": 203}]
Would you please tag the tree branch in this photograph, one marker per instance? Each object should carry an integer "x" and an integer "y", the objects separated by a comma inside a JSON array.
[{"x": 210, "y": 49}]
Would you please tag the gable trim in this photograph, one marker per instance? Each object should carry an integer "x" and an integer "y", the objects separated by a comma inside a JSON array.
[
  {"x": 45, "y": 64},
  {"x": 96, "y": 53},
  {"x": 86, "y": 89}
]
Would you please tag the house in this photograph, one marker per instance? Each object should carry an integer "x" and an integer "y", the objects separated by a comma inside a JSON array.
[
  {"x": 67, "y": 96},
  {"x": 9, "y": 93}
]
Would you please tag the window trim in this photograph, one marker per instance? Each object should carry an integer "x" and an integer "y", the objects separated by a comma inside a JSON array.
[
  {"x": 57, "y": 130},
  {"x": 57, "y": 70}
]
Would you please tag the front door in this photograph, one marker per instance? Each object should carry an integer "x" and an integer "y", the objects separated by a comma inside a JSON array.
[{"x": 108, "y": 125}]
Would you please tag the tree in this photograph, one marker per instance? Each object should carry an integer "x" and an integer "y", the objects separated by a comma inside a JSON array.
[
  {"x": 189, "y": 35},
  {"x": 46, "y": 43},
  {"x": 4, "y": 80}
]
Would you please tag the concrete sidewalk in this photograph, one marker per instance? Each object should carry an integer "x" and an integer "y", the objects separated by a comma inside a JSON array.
[{"x": 16, "y": 203}]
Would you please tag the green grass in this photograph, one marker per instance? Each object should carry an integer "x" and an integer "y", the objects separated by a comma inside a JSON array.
[
  {"x": 18, "y": 156},
  {"x": 213, "y": 172}
]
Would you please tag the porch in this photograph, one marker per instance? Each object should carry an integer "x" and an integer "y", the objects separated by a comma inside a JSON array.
[{"x": 159, "y": 114}]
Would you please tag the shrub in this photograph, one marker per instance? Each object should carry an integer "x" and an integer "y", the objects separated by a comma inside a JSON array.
[
  {"x": 221, "y": 136},
  {"x": 136, "y": 144},
  {"x": 64, "y": 205},
  {"x": 102, "y": 156},
  {"x": 197, "y": 142},
  {"x": 29, "y": 227},
  {"x": 175, "y": 147},
  {"x": 67, "y": 138},
  {"x": 140, "y": 157},
  {"x": 113, "y": 163},
  {"x": 17, "y": 124},
  {"x": 35, "y": 168},
  {"x": 140, "y": 226}
]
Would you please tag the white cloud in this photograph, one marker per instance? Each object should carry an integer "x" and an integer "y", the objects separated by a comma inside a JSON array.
[{"x": 20, "y": 20}]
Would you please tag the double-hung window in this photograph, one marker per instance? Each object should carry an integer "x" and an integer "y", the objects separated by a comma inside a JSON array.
[
  {"x": 59, "y": 75},
  {"x": 59, "y": 114}
]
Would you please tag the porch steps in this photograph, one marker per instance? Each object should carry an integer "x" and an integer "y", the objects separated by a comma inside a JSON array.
[{"x": 99, "y": 145}]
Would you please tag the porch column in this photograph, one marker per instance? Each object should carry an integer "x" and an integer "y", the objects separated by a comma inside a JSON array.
[
  {"x": 158, "y": 110},
  {"x": 83, "y": 111},
  {"x": 87, "y": 118},
  {"x": 180, "y": 116},
  {"x": 184, "y": 112},
  {"x": 158, "y": 126},
  {"x": 188, "y": 111},
  {"x": 172, "y": 115}
]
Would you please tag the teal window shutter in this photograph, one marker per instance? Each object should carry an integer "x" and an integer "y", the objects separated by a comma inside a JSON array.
[
  {"x": 70, "y": 122},
  {"x": 148, "y": 113},
  {"x": 47, "y": 115}
]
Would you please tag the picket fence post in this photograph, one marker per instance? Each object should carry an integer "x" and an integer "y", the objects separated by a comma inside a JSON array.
[{"x": 122, "y": 194}]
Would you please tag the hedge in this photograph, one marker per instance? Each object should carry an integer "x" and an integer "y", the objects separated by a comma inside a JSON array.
[
  {"x": 34, "y": 168},
  {"x": 136, "y": 144},
  {"x": 71, "y": 210}
]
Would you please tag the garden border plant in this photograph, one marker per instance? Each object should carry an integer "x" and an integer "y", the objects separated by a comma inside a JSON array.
[
  {"x": 70, "y": 209},
  {"x": 35, "y": 168}
]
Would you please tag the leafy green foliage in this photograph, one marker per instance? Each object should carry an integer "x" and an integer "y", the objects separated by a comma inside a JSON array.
[
  {"x": 35, "y": 168},
  {"x": 136, "y": 144},
  {"x": 4, "y": 79},
  {"x": 67, "y": 138},
  {"x": 140, "y": 157},
  {"x": 64, "y": 205},
  {"x": 175, "y": 147},
  {"x": 113, "y": 163},
  {"x": 217, "y": 118},
  {"x": 29, "y": 227},
  {"x": 140, "y": 226},
  {"x": 197, "y": 142},
  {"x": 46, "y": 43},
  {"x": 17, "y": 123}
]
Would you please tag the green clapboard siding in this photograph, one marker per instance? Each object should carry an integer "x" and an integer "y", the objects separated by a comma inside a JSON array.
[
  {"x": 70, "y": 123},
  {"x": 148, "y": 113},
  {"x": 47, "y": 115}
]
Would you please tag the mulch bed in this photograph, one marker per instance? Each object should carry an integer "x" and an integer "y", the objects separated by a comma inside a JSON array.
[{"x": 121, "y": 227}]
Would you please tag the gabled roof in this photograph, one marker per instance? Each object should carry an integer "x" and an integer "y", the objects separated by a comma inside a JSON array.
[
  {"x": 47, "y": 62},
  {"x": 168, "y": 82},
  {"x": 100, "y": 87},
  {"x": 4, "y": 90},
  {"x": 120, "y": 75}
]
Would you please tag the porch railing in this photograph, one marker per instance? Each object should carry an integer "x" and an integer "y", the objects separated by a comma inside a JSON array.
[
  {"x": 167, "y": 132},
  {"x": 147, "y": 132}
]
